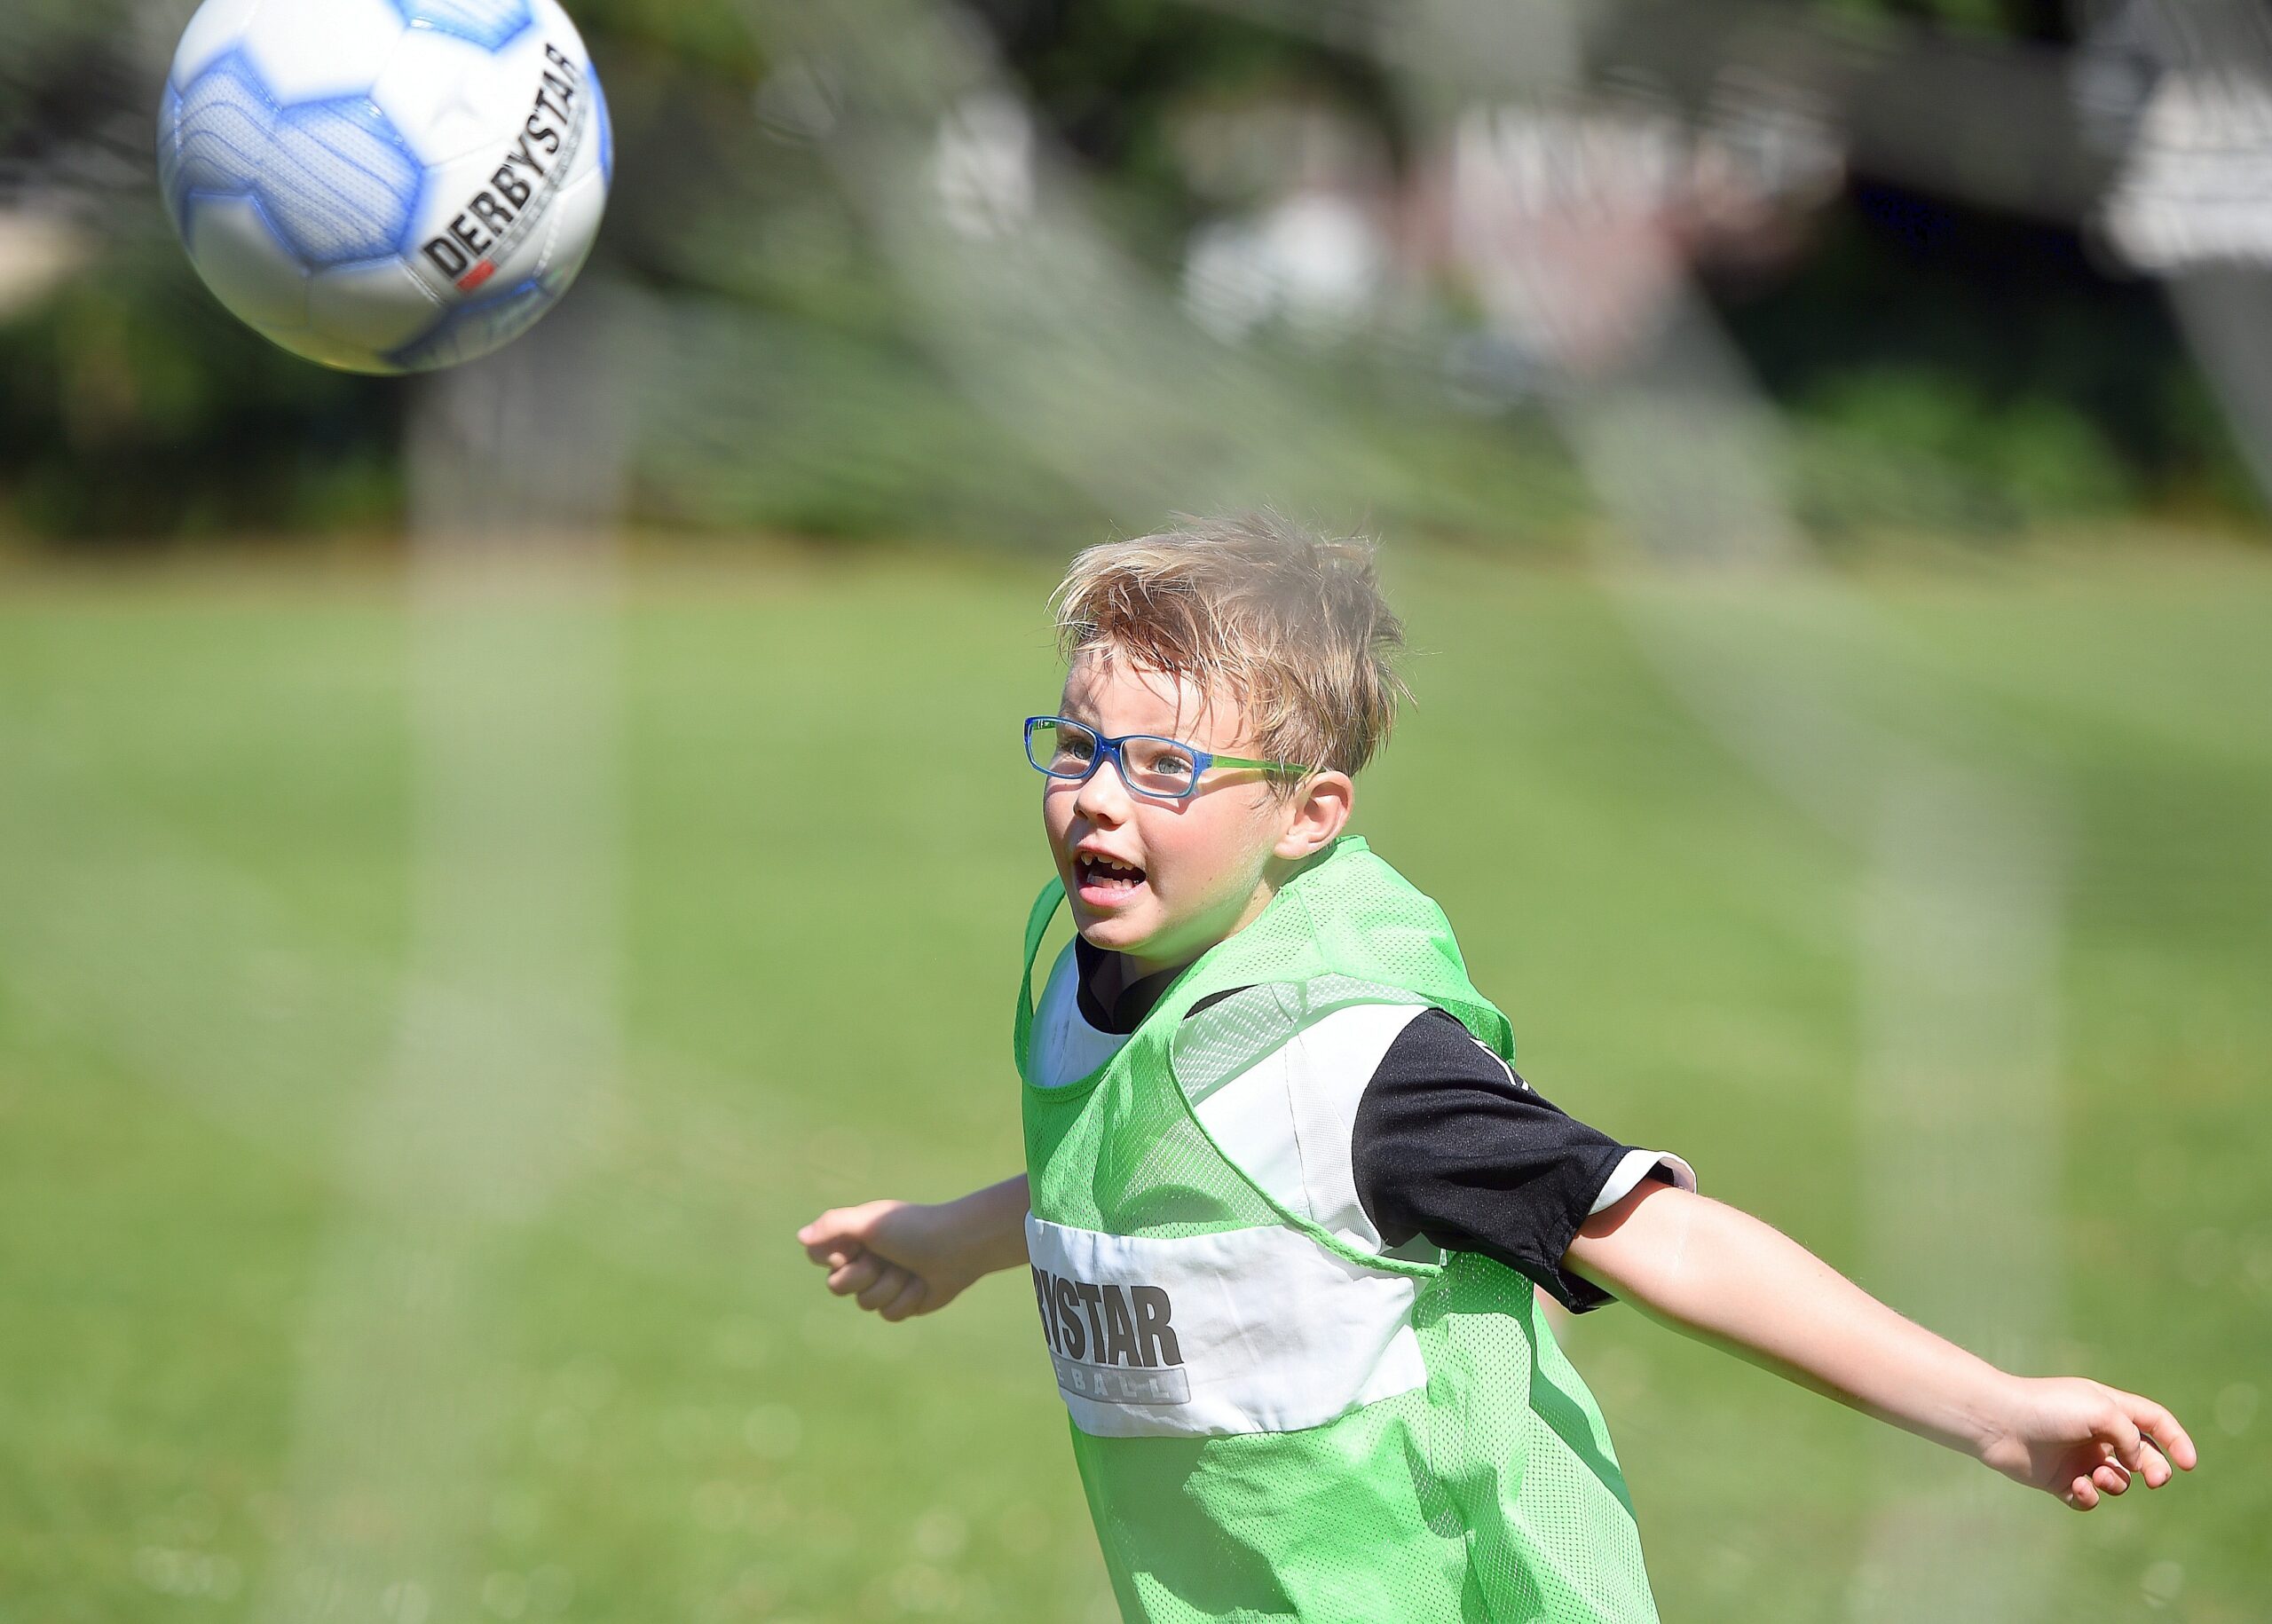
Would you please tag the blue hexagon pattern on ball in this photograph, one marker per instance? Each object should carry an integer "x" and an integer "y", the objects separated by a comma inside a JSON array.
[
  {"x": 385, "y": 185},
  {"x": 333, "y": 179},
  {"x": 493, "y": 24}
]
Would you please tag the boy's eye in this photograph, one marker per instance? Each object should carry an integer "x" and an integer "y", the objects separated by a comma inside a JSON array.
[
  {"x": 1073, "y": 748},
  {"x": 1157, "y": 758}
]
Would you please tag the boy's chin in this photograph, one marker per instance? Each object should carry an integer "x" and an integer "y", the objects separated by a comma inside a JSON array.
[
  {"x": 1146, "y": 943},
  {"x": 1112, "y": 933},
  {"x": 1115, "y": 933}
]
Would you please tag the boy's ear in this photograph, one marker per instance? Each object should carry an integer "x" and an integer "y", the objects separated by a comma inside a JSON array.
[{"x": 1322, "y": 809}]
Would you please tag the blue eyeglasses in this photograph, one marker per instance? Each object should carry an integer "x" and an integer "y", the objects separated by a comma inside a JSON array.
[{"x": 1167, "y": 767}]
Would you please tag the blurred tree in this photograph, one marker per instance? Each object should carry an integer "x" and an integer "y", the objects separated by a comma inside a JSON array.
[{"x": 133, "y": 408}]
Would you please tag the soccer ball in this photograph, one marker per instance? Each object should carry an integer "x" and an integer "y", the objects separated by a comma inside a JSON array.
[{"x": 385, "y": 185}]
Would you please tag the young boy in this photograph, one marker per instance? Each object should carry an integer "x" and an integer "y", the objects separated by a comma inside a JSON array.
[{"x": 1286, "y": 1198}]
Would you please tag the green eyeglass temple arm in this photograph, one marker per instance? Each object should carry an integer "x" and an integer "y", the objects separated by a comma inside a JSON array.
[{"x": 1240, "y": 761}]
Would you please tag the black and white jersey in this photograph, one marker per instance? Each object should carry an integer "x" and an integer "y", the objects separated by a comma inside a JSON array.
[{"x": 1386, "y": 1126}]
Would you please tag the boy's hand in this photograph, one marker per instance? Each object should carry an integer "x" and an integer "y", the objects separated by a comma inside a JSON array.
[
  {"x": 889, "y": 1255},
  {"x": 2079, "y": 1439},
  {"x": 899, "y": 1257}
]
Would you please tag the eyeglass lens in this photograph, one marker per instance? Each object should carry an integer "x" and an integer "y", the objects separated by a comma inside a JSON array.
[{"x": 1155, "y": 766}]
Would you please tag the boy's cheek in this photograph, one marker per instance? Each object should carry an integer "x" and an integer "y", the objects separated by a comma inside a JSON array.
[{"x": 1056, "y": 819}]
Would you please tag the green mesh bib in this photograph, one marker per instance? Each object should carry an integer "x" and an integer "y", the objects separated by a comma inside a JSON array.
[{"x": 1270, "y": 1423}]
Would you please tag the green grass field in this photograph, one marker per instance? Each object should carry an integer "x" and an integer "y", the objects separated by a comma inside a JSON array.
[{"x": 621, "y": 1394}]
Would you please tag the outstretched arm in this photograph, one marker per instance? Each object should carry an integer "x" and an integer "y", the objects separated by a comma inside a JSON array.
[
  {"x": 1723, "y": 1277},
  {"x": 900, "y": 1258}
]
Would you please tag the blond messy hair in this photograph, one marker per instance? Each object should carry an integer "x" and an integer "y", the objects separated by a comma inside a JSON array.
[{"x": 1292, "y": 625}]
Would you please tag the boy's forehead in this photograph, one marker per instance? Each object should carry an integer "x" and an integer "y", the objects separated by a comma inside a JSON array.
[{"x": 1125, "y": 695}]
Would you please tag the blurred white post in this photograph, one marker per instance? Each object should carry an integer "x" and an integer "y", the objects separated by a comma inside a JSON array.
[
  {"x": 1962, "y": 908},
  {"x": 1961, "y": 1124},
  {"x": 1957, "y": 1093},
  {"x": 508, "y": 1038},
  {"x": 2225, "y": 312}
]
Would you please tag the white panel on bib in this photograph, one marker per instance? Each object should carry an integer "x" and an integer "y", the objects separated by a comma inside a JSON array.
[
  {"x": 1065, "y": 1047},
  {"x": 1248, "y": 1330},
  {"x": 1289, "y": 1120}
]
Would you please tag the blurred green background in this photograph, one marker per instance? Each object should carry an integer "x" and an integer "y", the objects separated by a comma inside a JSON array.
[
  {"x": 441, "y": 963},
  {"x": 204, "y": 932}
]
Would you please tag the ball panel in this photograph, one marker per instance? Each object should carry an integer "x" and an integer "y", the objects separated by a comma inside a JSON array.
[
  {"x": 606, "y": 129},
  {"x": 213, "y": 33},
  {"x": 571, "y": 228},
  {"x": 238, "y": 252},
  {"x": 170, "y": 139},
  {"x": 491, "y": 24},
  {"x": 336, "y": 353},
  {"x": 334, "y": 176},
  {"x": 372, "y": 308},
  {"x": 346, "y": 184},
  {"x": 305, "y": 51},
  {"x": 456, "y": 98},
  {"x": 322, "y": 355},
  {"x": 485, "y": 324},
  {"x": 213, "y": 134}
]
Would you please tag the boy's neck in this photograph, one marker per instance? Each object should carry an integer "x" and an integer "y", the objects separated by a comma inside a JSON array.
[{"x": 1115, "y": 993}]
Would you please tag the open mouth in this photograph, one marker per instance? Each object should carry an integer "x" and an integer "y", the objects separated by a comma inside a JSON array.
[{"x": 1103, "y": 880}]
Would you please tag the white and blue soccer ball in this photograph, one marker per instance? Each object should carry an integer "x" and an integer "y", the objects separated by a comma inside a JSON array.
[{"x": 385, "y": 185}]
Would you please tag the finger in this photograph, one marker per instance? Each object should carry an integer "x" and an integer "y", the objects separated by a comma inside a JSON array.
[
  {"x": 2157, "y": 1468},
  {"x": 2081, "y": 1494},
  {"x": 2163, "y": 1426},
  {"x": 834, "y": 1254},
  {"x": 837, "y": 1230},
  {"x": 2115, "y": 1428},
  {"x": 824, "y": 1238},
  {"x": 2110, "y": 1477},
  {"x": 857, "y": 1275},
  {"x": 909, "y": 1301},
  {"x": 887, "y": 1285}
]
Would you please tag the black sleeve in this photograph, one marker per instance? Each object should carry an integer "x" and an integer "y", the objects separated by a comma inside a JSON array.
[{"x": 1451, "y": 1145}]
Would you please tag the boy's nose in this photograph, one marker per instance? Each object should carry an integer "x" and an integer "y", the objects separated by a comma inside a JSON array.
[{"x": 1102, "y": 795}]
